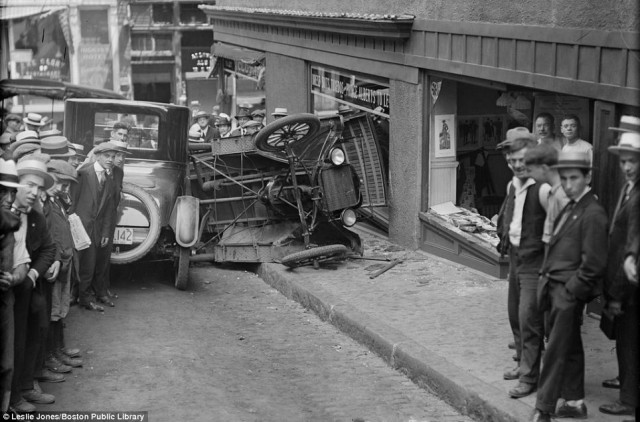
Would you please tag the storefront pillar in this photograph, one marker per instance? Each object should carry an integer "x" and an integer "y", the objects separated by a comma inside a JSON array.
[
  {"x": 405, "y": 161},
  {"x": 284, "y": 85}
]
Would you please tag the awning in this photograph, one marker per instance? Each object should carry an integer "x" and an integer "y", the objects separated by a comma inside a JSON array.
[
  {"x": 52, "y": 89},
  {"x": 232, "y": 52},
  {"x": 19, "y": 12}
]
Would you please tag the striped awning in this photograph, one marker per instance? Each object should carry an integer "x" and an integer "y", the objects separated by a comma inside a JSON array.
[{"x": 19, "y": 12}]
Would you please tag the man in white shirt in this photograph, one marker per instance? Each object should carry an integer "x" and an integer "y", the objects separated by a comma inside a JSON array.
[{"x": 570, "y": 128}]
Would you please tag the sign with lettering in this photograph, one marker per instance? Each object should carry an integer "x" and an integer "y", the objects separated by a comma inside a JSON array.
[
  {"x": 348, "y": 87},
  {"x": 96, "y": 65}
]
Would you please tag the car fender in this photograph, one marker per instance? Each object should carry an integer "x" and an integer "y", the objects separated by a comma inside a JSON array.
[{"x": 184, "y": 220}]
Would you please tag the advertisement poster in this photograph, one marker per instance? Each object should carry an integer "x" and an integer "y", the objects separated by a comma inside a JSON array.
[{"x": 445, "y": 135}]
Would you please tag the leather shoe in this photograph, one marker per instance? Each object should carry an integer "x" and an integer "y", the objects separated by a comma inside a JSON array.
[
  {"x": 106, "y": 301},
  {"x": 522, "y": 390},
  {"x": 48, "y": 376},
  {"x": 72, "y": 362},
  {"x": 512, "y": 345},
  {"x": 91, "y": 306},
  {"x": 540, "y": 416},
  {"x": 575, "y": 412},
  {"x": 512, "y": 374},
  {"x": 111, "y": 294},
  {"x": 34, "y": 396},
  {"x": 72, "y": 353},
  {"x": 617, "y": 408},
  {"x": 612, "y": 383},
  {"x": 54, "y": 365},
  {"x": 22, "y": 406}
]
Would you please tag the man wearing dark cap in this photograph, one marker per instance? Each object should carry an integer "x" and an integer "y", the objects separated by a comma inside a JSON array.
[
  {"x": 93, "y": 198},
  {"x": 12, "y": 122}
]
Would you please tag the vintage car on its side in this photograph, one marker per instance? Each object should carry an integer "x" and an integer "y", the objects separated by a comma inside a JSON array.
[{"x": 283, "y": 194}]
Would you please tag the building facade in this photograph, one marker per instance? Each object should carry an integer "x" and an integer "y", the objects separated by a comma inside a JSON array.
[{"x": 430, "y": 88}]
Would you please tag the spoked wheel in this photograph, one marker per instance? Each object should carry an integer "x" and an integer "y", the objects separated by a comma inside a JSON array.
[
  {"x": 287, "y": 130},
  {"x": 181, "y": 267},
  {"x": 315, "y": 256}
]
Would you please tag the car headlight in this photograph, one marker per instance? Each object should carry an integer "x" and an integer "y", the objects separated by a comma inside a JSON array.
[
  {"x": 337, "y": 156},
  {"x": 348, "y": 217}
]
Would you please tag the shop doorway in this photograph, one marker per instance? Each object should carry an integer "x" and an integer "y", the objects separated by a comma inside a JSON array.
[{"x": 159, "y": 92}]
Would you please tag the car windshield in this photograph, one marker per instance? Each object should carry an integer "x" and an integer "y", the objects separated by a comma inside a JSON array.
[{"x": 139, "y": 131}]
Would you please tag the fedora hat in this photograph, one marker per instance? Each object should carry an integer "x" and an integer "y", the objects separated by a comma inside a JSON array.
[
  {"x": 120, "y": 146},
  {"x": 36, "y": 167},
  {"x": 104, "y": 147},
  {"x": 8, "y": 174},
  {"x": 243, "y": 112},
  {"x": 280, "y": 111},
  {"x": 519, "y": 132},
  {"x": 629, "y": 142},
  {"x": 33, "y": 119},
  {"x": 47, "y": 133},
  {"x": 201, "y": 113},
  {"x": 258, "y": 113},
  {"x": 56, "y": 146},
  {"x": 573, "y": 160},
  {"x": 62, "y": 170},
  {"x": 628, "y": 124}
]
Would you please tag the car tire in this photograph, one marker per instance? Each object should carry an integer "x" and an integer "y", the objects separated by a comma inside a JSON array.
[
  {"x": 181, "y": 266},
  {"x": 319, "y": 254},
  {"x": 155, "y": 224},
  {"x": 288, "y": 129}
]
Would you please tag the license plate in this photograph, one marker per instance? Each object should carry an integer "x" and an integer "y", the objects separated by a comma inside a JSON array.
[{"x": 123, "y": 236}]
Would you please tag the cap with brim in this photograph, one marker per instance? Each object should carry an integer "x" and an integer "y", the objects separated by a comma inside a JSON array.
[
  {"x": 628, "y": 124},
  {"x": 35, "y": 167},
  {"x": 9, "y": 175},
  {"x": 629, "y": 142},
  {"x": 56, "y": 146},
  {"x": 121, "y": 146},
  {"x": 62, "y": 170},
  {"x": 12, "y": 117},
  {"x": 23, "y": 150},
  {"x": 573, "y": 159},
  {"x": 104, "y": 147},
  {"x": 33, "y": 119}
]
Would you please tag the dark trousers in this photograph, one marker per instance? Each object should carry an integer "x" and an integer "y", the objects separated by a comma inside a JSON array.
[
  {"x": 22, "y": 295},
  {"x": 513, "y": 300},
  {"x": 6, "y": 347},
  {"x": 562, "y": 372},
  {"x": 90, "y": 280},
  {"x": 103, "y": 267},
  {"x": 37, "y": 327},
  {"x": 627, "y": 352}
]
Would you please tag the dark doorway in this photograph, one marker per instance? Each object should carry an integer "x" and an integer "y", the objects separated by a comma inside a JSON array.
[{"x": 154, "y": 91}]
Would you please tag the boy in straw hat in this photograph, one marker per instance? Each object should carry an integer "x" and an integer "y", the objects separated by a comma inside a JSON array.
[
  {"x": 30, "y": 311},
  {"x": 13, "y": 269},
  {"x": 571, "y": 276},
  {"x": 621, "y": 295},
  {"x": 55, "y": 212}
]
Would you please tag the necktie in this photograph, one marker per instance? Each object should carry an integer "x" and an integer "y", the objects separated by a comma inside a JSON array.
[
  {"x": 564, "y": 215},
  {"x": 624, "y": 196},
  {"x": 101, "y": 178}
]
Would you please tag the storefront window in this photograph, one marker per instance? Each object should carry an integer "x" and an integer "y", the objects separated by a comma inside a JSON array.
[{"x": 364, "y": 105}]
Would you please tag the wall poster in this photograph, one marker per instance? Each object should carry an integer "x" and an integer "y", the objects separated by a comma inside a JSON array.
[{"x": 445, "y": 129}]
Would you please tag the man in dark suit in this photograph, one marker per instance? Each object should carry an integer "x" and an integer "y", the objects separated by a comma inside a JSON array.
[
  {"x": 201, "y": 119},
  {"x": 93, "y": 198},
  {"x": 571, "y": 276},
  {"x": 30, "y": 316},
  {"x": 622, "y": 297}
]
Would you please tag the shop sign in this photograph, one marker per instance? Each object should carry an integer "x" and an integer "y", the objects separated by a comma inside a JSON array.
[
  {"x": 196, "y": 61},
  {"x": 95, "y": 62},
  {"x": 349, "y": 88}
]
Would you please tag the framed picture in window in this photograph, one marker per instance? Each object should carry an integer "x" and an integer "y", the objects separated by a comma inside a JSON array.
[
  {"x": 445, "y": 135},
  {"x": 493, "y": 129},
  {"x": 468, "y": 133}
]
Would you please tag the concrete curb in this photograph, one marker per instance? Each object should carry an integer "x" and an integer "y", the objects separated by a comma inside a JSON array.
[{"x": 466, "y": 393}]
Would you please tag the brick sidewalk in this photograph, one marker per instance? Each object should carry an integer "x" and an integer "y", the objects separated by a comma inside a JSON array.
[{"x": 443, "y": 324}]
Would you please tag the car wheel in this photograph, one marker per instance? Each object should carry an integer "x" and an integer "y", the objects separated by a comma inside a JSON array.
[
  {"x": 139, "y": 202},
  {"x": 276, "y": 135},
  {"x": 181, "y": 266},
  {"x": 315, "y": 255}
]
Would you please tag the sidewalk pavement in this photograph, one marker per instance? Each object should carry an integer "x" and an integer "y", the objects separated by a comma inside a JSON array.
[{"x": 442, "y": 324}]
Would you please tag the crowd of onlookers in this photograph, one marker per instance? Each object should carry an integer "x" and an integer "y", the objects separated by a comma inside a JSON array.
[
  {"x": 59, "y": 210},
  {"x": 565, "y": 250}
]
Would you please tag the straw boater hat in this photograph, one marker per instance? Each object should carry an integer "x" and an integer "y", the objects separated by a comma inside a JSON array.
[
  {"x": 33, "y": 119},
  {"x": 514, "y": 134},
  {"x": 26, "y": 137},
  {"x": 573, "y": 160},
  {"x": 120, "y": 146},
  {"x": 47, "y": 133},
  {"x": 36, "y": 167},
  {"x": 223, "y": 119},
  {"x": 629, "y": 142},
  {"x": 78, "y": 148},
  {"x": 9, "y": 175},
  {"x": 56, "y": 147},
  {"x": 199, "y": 114},
  {"x": 628, "y": 124},
  {"x": 280, "y": 111},
  {"x": 62, "y": 170}
]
